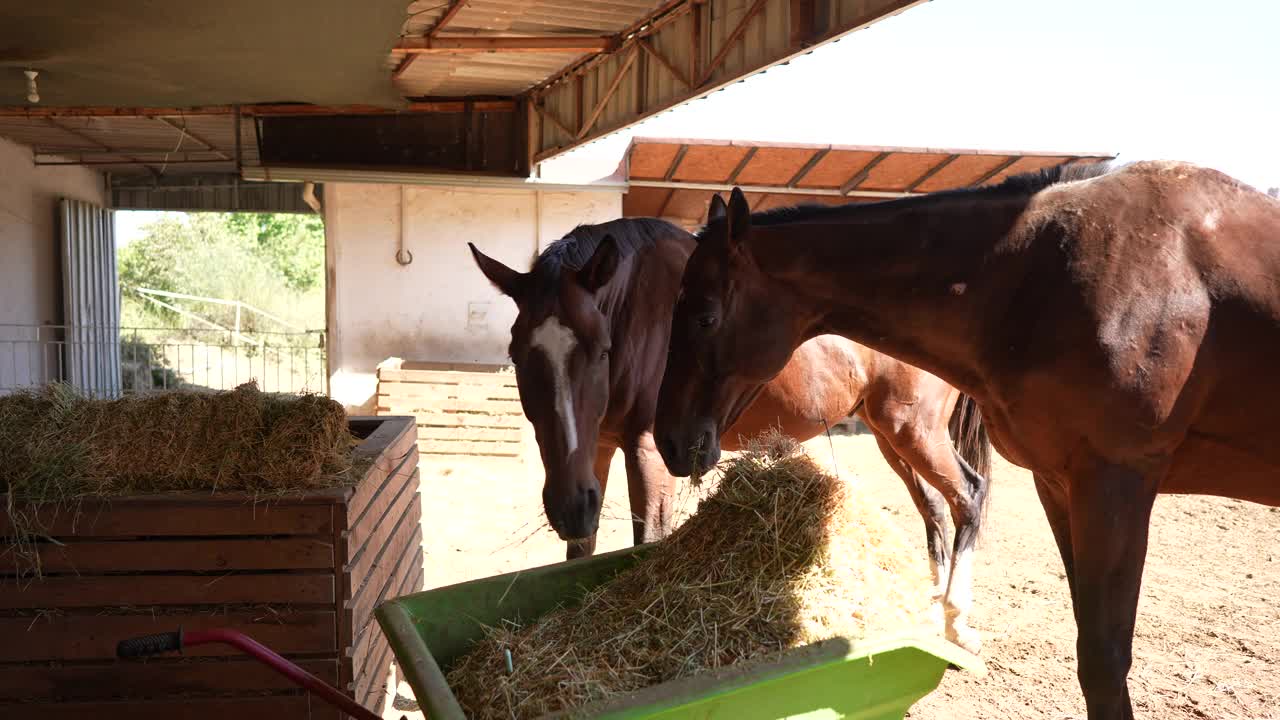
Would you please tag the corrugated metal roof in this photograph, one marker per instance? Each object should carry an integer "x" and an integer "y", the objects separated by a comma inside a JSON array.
[{"x": 676, "y": 178}]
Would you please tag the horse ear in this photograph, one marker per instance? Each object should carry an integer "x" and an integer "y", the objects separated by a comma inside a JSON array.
[
  {"x": 509, "y": 282},
  {"x": 600, "y": 268},
  {"x": 739, "y": 215},
  {"x": 717, "y": 210}
]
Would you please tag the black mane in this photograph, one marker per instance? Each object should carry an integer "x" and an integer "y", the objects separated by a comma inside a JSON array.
[
  {"x": 572, "y": 251},
  {"x": 1028, "y": 183}
]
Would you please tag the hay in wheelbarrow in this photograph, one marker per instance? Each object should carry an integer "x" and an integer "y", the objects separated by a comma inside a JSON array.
[
  {"x": 60, "y": 446},
  {"x": 779, "y": 555}
]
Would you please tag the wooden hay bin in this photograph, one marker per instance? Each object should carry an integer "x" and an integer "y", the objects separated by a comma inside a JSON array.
[
  {"x": 300, "y": 574},
  {"x": 461, "y": 408}
]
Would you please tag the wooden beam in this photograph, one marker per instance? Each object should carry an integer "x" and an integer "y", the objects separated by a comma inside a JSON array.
[
  {"x": 731, "y": 41},
  {"x": 92, "y": 140},
  {"x": 695, "y": 42},
  {"x": 183, "y": 129},
  {"x": 931, "y": 172},
  {"x": 802, "y": 22},
  {"x": 546, "y": 114},
  {"x": 804, "y": 170},
  {"x": 653, "y": 52},
  {"x": 403, "y": 66},
  {"x": 608, "y": 94},
  {"x": 733, "y": 176},
  {"x": 675, "y": 163},
  {"x": 719, "y": 187},
  {"x": 265, "y": 110},
  {"x": 995, "y": 171},
  {"x": 447, "y": 17},
  {"x": 852, "y": 183},
  {"x": 545, "y": 43}
]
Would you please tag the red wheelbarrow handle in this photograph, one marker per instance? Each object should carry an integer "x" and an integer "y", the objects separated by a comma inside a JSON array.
[{"x": 176, "y": 641}]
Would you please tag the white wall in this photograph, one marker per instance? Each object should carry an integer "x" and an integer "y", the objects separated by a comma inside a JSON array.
[
  {"x": 30, "y": 264},
  {"x": 439, "y": 307}
]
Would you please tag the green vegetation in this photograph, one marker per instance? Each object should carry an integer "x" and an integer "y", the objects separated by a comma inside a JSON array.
[{"x": 273, "y": 262}]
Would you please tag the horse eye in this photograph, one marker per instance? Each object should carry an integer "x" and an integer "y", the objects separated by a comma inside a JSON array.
[
  {"x": 604, "y": 354},
  {"x": 707, "y": 320}
]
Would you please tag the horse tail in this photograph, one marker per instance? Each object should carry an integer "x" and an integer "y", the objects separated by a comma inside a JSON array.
[{"x": 973, "y": 448}]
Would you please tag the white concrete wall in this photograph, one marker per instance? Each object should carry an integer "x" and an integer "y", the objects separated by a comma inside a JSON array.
[
  {"x": 30, "y": 258},
  {"x": 439, "y": 307}
]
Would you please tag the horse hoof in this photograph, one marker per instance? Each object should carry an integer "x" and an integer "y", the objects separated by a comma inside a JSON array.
[{"x": 967, "y": 638}]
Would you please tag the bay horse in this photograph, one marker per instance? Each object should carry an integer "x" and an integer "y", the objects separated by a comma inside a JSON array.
[
  {"x": 1119, "y": 328},
  {"x": 589, "y": 345}
]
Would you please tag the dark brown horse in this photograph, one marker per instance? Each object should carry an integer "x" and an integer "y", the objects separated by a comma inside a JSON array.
[
  {"x": 589, "y": 345},
  {"x": 1120, "y": 331}
]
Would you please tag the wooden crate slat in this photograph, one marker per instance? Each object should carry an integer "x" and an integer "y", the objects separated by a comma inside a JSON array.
[
  {"x": 288, "y": 553},
  {"x": 361, "y": 653},
  {"x": 403, "y": 483},
  {"x": 379, "y": 572},
  {"x": 443, "y": 419},
  {"x": 364, "y": 626},
  {"x": 248, "y": 708},
  {"x": 368, "y": 684},
  {"x": 471, "y": 433},
  {"x": 451, "y": 405},
  {"x": 129, "y": 517},
  {"x": 357, "y": 568},
  {"x": 400, "y": 453},
  {"x": 427, "y": 393},
  {"x": 461, "y": 447},
  {"x": 446, "y": 377},
  {"x": 157, "y": 677},
  {"x": 139, "y": 590},
  {"x": 66, "y": 637}
]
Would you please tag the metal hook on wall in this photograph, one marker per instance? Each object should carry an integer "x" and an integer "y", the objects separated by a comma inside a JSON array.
[{"x": 403, "y": 256}]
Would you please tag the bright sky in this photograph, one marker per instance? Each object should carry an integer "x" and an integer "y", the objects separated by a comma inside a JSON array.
[{"x": 1169, "y": 79}]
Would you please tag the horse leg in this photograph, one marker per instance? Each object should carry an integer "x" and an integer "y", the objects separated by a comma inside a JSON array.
[
  {"x": 1054, "y": 501},
  {"x": 604, "y": 459},
  {"x": 1110, "y": 514},
  {"x": 932, "y": 509},
  {"x": 650, "y": 487}
]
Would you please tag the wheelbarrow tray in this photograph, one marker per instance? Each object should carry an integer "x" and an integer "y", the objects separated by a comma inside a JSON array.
[{"x": 874, "y": 679}]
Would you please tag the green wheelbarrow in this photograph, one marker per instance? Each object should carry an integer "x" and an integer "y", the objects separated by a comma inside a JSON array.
[{"x": 838, "y": 678}]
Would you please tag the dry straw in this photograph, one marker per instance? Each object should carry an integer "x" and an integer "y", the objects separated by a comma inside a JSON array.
[
  {"x": 60, "y": 446},
  {"x": 779, "y": 555}
]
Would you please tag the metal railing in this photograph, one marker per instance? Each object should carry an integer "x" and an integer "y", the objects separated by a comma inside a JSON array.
[{"x": 153, "y": 359}]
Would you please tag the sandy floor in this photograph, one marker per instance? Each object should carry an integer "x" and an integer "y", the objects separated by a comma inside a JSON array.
[{"x": 1208, "y": 638}]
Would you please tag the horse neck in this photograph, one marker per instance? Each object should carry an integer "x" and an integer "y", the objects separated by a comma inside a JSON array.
[
  {"x": 639, "y": 303},
  {"x": 914, "y": 280}
]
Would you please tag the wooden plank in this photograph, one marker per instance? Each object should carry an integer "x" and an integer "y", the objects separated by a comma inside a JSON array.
[
  {"x": 361, "y": 650},
  {"x": 452, "y": 447},
  {"x": 155, "y": 678},
  {"x": 447, "y": 377},
  {"x": 68, "y": 637},
  {"x": 401, "y": 452},
  {"x": 289, "y": 553},
  {"x": 471, "y": 433},
  {"x": 131, "y": 517},
  {"x": 441, "y": 419},
  {"x": 371, "y": 682},
  {"x": 357, "y": 569},
  {"x": 437, "y": 391},
  {"x": 454, "y": 405},
  {"x": 271, "y": 707},
  {"x": 402, "y": 483},
  {"x": 140, "y": 590},
  {"x": 380, "y": 573}
]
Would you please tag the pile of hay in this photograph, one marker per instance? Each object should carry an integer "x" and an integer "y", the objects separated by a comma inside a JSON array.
[
  {"x": 60, "y": 446},
  {"x": 778, "y": 556}
]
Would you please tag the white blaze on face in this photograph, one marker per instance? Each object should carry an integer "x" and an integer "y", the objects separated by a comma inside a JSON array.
[{"x": 556, "y": 342}]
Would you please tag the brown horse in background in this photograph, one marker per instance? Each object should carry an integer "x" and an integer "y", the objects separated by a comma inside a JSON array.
[
  {"x": 1120, "y": 331},
  {"x": 589, "y": 346}
]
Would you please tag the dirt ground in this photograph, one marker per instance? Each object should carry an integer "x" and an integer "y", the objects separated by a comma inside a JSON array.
[{"x": 1208, "y": 636}]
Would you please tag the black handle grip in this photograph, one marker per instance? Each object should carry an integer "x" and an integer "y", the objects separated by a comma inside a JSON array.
[{"x": 150, "y": 645}]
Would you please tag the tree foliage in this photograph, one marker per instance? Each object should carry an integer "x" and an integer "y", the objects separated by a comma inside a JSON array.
[{"x": 272, "y": 262}]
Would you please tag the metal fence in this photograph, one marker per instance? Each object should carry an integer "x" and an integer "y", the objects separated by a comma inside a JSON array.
[{"x": 166, "y": 358}]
